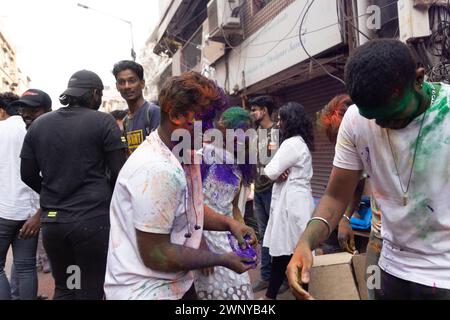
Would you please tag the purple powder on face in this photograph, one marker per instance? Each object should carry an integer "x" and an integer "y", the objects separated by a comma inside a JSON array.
[{"x": 248, "y": 252}]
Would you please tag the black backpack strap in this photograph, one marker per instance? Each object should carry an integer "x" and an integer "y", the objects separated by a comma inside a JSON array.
[
  {"x": 148, "y": 118},
  {"x": 126, "y": 125}
]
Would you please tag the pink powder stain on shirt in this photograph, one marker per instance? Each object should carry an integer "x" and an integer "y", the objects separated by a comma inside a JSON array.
[{"x": 378, "y": 195}]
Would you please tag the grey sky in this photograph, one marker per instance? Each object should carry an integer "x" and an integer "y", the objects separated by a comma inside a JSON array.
[{"x": 55, "y": 38}]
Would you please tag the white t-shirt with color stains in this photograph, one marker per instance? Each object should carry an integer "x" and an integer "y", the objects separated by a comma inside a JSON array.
[
  {"x": 416, "y": 237},
  {"x": 150, "y": 196}
]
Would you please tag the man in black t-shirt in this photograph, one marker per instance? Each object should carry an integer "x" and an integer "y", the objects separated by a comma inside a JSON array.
[
  {"x": 71, "y": 148},
  {"x": 143, "y": 116}
]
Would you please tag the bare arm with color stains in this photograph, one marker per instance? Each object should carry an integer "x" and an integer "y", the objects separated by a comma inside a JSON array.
[
  {"x": 158, "y": 253},
  {"x": 341, "y": 186},
  {"x": 210, "y": 270}
]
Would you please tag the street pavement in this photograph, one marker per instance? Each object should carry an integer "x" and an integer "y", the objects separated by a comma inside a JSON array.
[
  {"x": 47, "y": 285},
  {"x": 45, "y": 280}
]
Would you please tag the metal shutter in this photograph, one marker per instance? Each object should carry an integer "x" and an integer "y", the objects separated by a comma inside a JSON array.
[{"x": 314, "y": 95}]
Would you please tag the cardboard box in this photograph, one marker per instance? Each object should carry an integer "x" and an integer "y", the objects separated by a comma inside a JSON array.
[{"x": 339, "y": 276}]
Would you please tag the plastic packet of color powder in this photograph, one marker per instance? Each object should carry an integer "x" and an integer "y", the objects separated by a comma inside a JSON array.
[{"x": 248, "y": 252}]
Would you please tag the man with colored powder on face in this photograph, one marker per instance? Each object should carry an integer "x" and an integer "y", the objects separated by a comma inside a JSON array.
[
  {"x": 157, "y": 209},
  {"x": 398, "y": 132},
  {"x": 330, "y": 118}
]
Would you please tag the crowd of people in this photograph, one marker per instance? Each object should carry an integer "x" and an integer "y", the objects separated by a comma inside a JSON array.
[{"x": 143, "y": 211}]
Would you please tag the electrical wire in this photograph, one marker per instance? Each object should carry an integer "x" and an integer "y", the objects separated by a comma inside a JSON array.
[
  {"x": 306, "y": 51},
  {"x": 221, "y": 27},
  {"x": 186, "y": 67},
  {"x": 440, "y": 72},
  {"x": 277, "y": 42},
  {"x": 283, "y": 38},
  {"x": 228, "y": 44},
  {"x": 194, "y": 18},
  {"x": 438, "y": 43},
  {"x": 348, "y": 20},
  {"x": 317, "y": 30},
  {"x": 256, "y": 36}
]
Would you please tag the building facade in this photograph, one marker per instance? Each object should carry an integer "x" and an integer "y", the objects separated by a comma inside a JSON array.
[
  {"x": 156, "y": 68},
  {"x": 112, "y": 100},
  {"x": 11, "y": 77},
  {"x": 9, "y": 73},
  {"x": 294, "y": 50}
]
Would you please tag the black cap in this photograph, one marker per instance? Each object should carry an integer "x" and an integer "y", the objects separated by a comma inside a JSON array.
[
  {"x": 34, "y": 98},
  {"x": 81, "y": 82}
]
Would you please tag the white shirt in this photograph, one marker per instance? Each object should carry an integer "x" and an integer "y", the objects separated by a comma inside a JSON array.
[
  {"x": 416, "y": 237},
  {"x": 292, "y": 203},
  {"x": 150, "y": 196},
  {"x": 18, "y": 202}
]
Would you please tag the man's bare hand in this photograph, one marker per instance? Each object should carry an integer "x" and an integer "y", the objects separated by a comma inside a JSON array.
[
  {"x": 234, "y": 262},
  {"x": 240, "y": 230},
  {"x": 298, "y": 271},
  {"x": 346, "y": 237},
  {"x": 31, "y": 227}
]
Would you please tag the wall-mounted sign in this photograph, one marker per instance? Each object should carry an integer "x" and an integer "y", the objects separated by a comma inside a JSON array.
[{"x": 276, "y": 46}]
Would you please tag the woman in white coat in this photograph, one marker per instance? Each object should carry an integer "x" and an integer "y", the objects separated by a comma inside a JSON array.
[{"x": 292, "y": 202}]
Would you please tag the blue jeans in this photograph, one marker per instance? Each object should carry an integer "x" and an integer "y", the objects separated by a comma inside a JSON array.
[
  {"x": 24, "y": 259},
  {"x": 261, "y": 210},
  {"x": 42, "y": 261},
  {"x": 14, "y": 284}
]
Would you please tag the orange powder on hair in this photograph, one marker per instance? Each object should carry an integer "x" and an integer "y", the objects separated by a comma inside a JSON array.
[{"x": 331, "y": 116}]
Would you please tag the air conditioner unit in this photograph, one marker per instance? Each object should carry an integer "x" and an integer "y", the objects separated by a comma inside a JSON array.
[
  {"x": 211, "y": 50},
  {"x": 414, "y": 22},
  {"x": 223, "y": 19}
]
